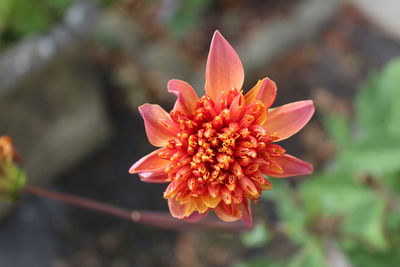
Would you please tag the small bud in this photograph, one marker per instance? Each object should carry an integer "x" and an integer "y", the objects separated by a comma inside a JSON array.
[{"x": 12, "y": 179}]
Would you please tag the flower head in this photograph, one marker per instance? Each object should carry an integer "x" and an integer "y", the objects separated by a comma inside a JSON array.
[
  {"x": 7, "y": 151},
  {"x": 11, "y": 178},
  {"x": 215, "y": 150}
]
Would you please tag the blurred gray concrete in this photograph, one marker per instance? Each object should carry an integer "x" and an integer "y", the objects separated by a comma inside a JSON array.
[{"x": 51, "y": 98}]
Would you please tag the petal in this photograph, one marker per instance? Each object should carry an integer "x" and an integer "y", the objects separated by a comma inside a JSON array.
[
  {"x": 157, "y": 176},
  {"x": 236, "y": 108},
  {"x": 291, "y": 166},
  {"x": 210, "y": 201},
  {"x": 224, "y": 69},
  {"x": 248, "y": 187},
  {"x": 247, "y": 214},
  {"x": 195, "y": 217},
  {"x": 228, "y": 213},
  {"x": 186, "y": 96},
  {"x": 150, "y": 163},
  {"x": 156, "y": 121},
  {"x": 177, "y": 210},
  {"x": 200, "y": 205},
  {"x": 264, "y": 90},
  {"x": 286, "y": 120}
]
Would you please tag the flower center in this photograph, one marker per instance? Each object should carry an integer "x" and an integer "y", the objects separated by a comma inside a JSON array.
[{"x": 220, "y": 150}]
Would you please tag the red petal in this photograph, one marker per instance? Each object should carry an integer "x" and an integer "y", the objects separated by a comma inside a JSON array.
[
  {"x": 291, "y": 166},
  {"x": 286, "y": 120},
  {"x": 224, "y": 69},
  {"x": 150, "y": 163},
  {"x": 186, "y": 96},
  {"x": 156, "y": 121},
  {"x": 264, "y": 90}
]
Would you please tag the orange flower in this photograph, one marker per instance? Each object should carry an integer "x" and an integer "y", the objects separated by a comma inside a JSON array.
[{"x": 215, "y": 150}]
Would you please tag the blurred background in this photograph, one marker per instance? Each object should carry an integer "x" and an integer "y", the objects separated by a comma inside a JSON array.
[{"x": 73, "y": 72}]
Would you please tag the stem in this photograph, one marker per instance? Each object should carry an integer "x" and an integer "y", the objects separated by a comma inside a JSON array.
[
  {"x": 80, "y": 202},
  {"x": 159, "y": 219}
]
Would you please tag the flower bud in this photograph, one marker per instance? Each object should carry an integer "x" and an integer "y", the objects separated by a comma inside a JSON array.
[{"x": 12, "y": 179}]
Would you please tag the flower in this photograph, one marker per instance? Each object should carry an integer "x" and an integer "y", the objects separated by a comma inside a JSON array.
[
  {"x": 11, "y": 178},
  {"x": 215, "y": 150},
  {"x": 7, "y": 151}
]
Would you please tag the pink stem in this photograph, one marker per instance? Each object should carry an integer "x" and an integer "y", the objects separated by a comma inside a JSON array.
[{"x": 159, "y": 219}]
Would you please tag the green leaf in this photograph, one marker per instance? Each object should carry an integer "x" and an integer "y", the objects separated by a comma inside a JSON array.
[
  {"x": 374, "y": 156},
  {"x": 364, "y": 257},
  {"x": 338, "y": 129},
  {"x": 366, "y": 222},
  {"x": 325, "y": 195},
  {"x": 377, "y": 105}
]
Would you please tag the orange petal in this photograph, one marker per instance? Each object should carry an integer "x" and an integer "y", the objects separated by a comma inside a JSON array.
[
  {"x": 150, "y": 163},
  {"x": 186, "y": 96},
  {"x": 228, "y": 213},
  {"x": 224, "y": 69},
  {"x": 156, "y": 121},
  {"x": 264, "y": 90},
  {"x": 200, "y": 205},
  {"x": 291, "y": 166},
  {"x": 190, "y": 208},
  {"x": 286, "y": 120},
  {"x": 210, "y": 201}
]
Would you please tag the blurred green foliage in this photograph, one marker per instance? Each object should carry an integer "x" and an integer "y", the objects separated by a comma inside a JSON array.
[
  {"x": 20, "y": 18},
  {"x": 187, "y": 15},
  {"x": 355, "y": 201}
]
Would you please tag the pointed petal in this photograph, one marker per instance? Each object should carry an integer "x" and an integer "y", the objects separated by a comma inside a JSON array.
[
  {"x": 224, "y": 69},
  {"x": 286, "y": 120},
  {"x": 177, "y": 210},
  {"x": 264, "y": 90},
  {"x": 156, "y": 121},
  {"x": 150, "y": 163},
  {"x": 236, "y": 108},
  {"x": 186, "y": 96},
  {"x": 228, "y": 213},
  {"x": 157, "y": 176},
  {"x": 291, "y": 166}
]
